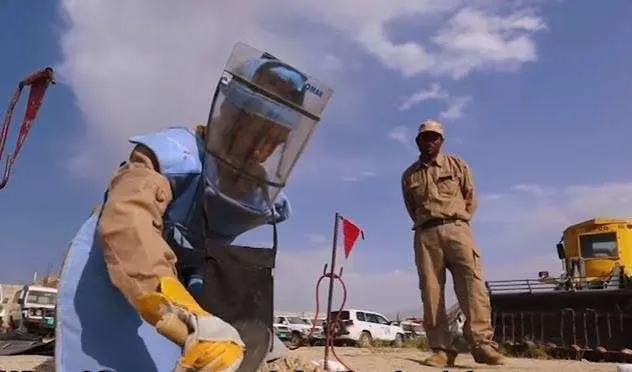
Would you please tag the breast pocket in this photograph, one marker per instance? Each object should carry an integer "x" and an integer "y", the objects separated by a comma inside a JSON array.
[
  {"x": 417, "y": 188},
  {"x": 447, "y": 185}
]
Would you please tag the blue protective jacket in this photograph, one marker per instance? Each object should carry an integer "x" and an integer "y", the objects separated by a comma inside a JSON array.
[{"x": 97, "y": 329}]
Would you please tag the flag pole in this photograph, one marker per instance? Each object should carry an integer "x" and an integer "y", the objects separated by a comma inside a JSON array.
[{"x": 331, "y": 289}]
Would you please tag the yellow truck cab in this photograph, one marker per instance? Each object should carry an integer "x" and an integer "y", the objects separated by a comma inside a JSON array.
[
  {"x": 597, "y": 249},
  {"x": 587, "y": 312}
]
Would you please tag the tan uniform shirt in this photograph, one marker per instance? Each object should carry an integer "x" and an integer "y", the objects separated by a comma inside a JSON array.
[
  {"x": 130, "y": 227},
  {"x": 444, "y": 188}
]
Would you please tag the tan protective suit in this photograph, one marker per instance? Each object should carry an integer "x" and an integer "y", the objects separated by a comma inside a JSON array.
[{"x": 136, "y": 255}]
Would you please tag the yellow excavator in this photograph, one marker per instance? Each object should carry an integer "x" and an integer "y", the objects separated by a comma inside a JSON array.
[{"x": 587, "y": 311}]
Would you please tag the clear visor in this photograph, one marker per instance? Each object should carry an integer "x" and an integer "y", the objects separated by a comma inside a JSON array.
[{"x": 260, "y": 122}]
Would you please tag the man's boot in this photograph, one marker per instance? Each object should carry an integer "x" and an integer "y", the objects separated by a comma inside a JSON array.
[
  {"x": 487, "y": 354},
  {"x": 441, "y": 358}
]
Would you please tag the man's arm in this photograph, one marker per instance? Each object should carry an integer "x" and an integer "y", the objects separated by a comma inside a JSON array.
[
  {"x": 142, "y": 266},
  {"x": 408, "y": 200},
  {"x": 468, "y": 189},
  {"x": 130, "y": 227}
]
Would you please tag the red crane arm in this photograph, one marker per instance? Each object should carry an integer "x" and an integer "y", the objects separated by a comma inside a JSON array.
[{"x": 38, "y": 83}]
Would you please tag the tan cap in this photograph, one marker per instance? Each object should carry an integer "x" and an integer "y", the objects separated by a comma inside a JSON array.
[{"x": 431, "y": 126}]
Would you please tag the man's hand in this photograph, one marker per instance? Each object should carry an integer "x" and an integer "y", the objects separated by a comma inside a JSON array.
[
  {"x": 213, "y": 345},
  {"x": 282, "y": 208},
  {"x": 210, "y": 344}
]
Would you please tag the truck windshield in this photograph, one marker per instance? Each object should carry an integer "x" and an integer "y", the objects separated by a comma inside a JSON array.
[
  {"x": 296, "y": 320},
  {"x": 41, "y": 298},
  {"x": 599, "y": 245},
  {"x": 344, "y": 315}
]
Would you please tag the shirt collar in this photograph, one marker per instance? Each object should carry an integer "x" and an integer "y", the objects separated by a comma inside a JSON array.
[{"x": 439, "y": 161}]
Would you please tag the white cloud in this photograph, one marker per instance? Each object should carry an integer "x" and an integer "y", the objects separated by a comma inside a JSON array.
[
  {"x": 491, "y": 197},
  {"x": 455, "y": 108},
  {"x": 298, "y": 271},
  {"x": 454, "y": 104},
  {"x": 340, "y": 166},
  {"x": 475, "y": 39},
  {"x": 563, "y": 205},
  {"x": 433, "y": 93},
  {"x": 529, "y": 219},
  {"x": 400, "y": 134},
  {"x": 405, "y": 136},
  {"x": 332, "y": 63},
  {"x": 316, "y": 239},
  {"x": 528, "y": 268},
  {"x": 481, "y": 35},
  {"x": 388, "y": 291},
  {"x": 355, "y": 177},
  {"x": 533, "y": 189},
  {"x": 143, "y": 65}
]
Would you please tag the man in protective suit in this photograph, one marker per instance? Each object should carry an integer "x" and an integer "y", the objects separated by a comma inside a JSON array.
[{"x": 151, "y": 280}]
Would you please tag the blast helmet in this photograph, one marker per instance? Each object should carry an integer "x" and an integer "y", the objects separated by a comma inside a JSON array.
[{"x": 263, "y": 113}]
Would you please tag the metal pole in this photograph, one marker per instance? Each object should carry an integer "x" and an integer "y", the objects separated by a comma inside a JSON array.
[{"x": 331, "y": 290}]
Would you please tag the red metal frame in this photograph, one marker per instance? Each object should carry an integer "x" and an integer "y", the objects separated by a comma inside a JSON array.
[{"x": 38, "y": 83}]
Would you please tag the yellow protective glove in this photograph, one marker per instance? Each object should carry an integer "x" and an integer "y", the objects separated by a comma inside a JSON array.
[{"x": 210, "y": 344}]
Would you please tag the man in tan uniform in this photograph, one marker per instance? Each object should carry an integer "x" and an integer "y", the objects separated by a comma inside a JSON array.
[{"x": 440, "y": 197}]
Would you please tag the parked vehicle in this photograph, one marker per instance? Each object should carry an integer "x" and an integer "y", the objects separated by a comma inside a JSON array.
[
  {"x": 33, "y": 310},
  {"x": 3, "y": 304},
  {"x": 413, "y": 329},
  {"x": 318, "y": 336},
  {"x": 299, "y": 330},
  {"x": 362, "y": 327},
  {"x": 281, "y": 331}
]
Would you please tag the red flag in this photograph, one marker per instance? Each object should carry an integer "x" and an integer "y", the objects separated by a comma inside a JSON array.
[{"x": 350, "y": 231}]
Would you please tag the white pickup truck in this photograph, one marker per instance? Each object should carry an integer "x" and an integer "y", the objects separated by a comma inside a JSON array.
[
  {"x": 362, "y": 327},
  {"x": 295, "y": 330},
  {"x": 33, "y": 310}
]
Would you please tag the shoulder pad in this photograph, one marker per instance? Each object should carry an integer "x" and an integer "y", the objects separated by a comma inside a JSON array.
[{"x": 175, "y": 148}]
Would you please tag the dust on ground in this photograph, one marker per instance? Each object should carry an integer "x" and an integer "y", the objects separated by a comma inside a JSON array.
[
  {"x": 371, "y": 360},
  {"x": 35, "y": 363},
  {"x": 409, "y": 359}
]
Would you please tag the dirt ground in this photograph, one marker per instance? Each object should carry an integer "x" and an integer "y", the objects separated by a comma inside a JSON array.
[
  {"x": 23, "y": 363},
  {"x": 391, "y": 360},
  {"x": 372, "y": 360}
]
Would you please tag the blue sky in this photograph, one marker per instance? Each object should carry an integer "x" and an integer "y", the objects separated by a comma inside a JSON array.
[{"x": 533, "y": 94}]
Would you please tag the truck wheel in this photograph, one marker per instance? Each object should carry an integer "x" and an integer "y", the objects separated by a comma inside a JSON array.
[
  {"x": 399, "y": 340},
  {"x": 11, "y": 325},
  {"x": 295, "y": 339},
  {"x": 365, "y": 339},
  {"x": 32, "y": 329}
]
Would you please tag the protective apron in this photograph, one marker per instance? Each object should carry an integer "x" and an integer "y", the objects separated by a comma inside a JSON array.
[
  {"x": 97, "y": 330},
  {"x": 264, "y": 111}
]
